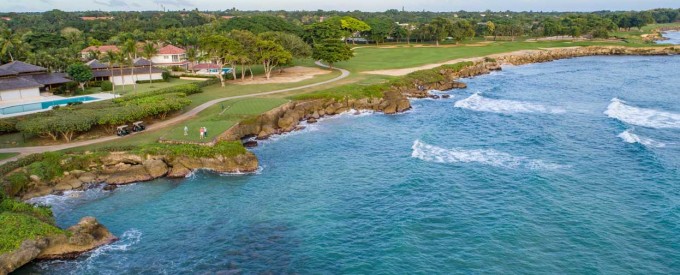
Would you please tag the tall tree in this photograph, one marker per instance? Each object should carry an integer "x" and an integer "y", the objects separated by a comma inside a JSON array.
[
  {"x": 80, "y": 73},
  {"x": 332, "y": 51},
  {"x": 149, "y": 51},
  {"x": 271, "y": 54},
  {"x": 129, "y": 52},
  {"x": 353, "y": 25},
  {"x": 10, "y": 42},
  {"x": 440, "y": 28}
]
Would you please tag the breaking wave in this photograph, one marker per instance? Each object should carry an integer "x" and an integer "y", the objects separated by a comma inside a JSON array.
[
  {"x": 477, "y": 102},
  {"x": 489, "y": 157},
  {"x": 630, "y": 137},
  {"x": 642, "y": 117}
]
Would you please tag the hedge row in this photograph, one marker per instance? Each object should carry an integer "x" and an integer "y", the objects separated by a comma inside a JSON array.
[{"x": 187, "y": 89}]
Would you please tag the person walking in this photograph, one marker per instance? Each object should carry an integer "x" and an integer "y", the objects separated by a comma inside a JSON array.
[{"x": 186, "y": 130}]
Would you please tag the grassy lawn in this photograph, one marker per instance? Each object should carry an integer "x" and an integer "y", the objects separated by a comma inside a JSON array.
[
  {"x": 373, "y": 58},
  {"x": 121, "y": 90},
  {"x": 220, "y": 117},
  {"x": 7, "y": 155}
]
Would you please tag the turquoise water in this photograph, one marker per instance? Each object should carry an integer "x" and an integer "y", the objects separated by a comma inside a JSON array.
[
  {"x": 43, "y": 105},
  {"x": 673, "y": 38},
  {"x": 570, "y": 166}
]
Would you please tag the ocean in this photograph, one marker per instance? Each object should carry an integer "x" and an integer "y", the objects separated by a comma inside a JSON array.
[{"x": 571, "y": 166}]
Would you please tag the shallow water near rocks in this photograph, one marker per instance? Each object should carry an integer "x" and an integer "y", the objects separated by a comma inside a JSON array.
[
  {"x": 504, "y": 186},
  {"x": 673, "y": 38}
]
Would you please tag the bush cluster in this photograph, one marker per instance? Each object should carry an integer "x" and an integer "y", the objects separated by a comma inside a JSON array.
[
  {"x": 152, "y": 81},
  {"x": 106, "y": 86},
  {"x": 222, "y": 148},
  {"x": 187, "y": 89}
]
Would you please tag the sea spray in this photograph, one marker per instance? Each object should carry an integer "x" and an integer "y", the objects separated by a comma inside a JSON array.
[
  {"x": 630, "y": 137},
  {"x": 477, "y": 102},
  {"x": 650, "y": 118},
  {"x": 491, "y": 157}
]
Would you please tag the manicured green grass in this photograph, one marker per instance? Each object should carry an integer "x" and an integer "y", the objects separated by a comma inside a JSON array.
[
  {"x": 220, "y": 117},
  {"x": 16, "y": 228},
  {"x": 373, "y": 58}
]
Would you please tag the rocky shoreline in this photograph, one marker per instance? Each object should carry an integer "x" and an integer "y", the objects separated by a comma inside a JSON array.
[{"x": 83, "y": 237}]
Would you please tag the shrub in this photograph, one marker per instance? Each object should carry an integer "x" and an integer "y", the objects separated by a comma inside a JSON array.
[
  {"x": 106, "y": 86},
  {"x": 16, "y": 183},
  {"x": 187, "y": 89},
  {"x": 13, "y": 165},
  {"x": 209, "y": 82},
  {"x": 43, "y": 213},
  {"x": 95, "y": 83},
  {"x": 67, "y": 88},
  {"x": 8, "y": 125},
  {"x": 166, "y": 75},
  {"x": 65, "y": 123},
  {"x": 48, "y": 168},
  {"x": 16, "y": 228},
  {"x": 152, "y": 81}
]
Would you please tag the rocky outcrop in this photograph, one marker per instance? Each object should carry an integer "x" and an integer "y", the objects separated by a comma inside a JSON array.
[
  {"x": 85, "y": 236},
  {"x": 286, "y": 118},
  {"x": 118, "y": 168},
  {"x": 546, "y": 55}
]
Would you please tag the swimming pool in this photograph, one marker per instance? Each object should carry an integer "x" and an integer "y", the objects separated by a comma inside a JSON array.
[{"x": 37, "y": 106}]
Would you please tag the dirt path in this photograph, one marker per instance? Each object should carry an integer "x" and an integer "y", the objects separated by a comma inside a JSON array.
[{"x": 156, "y": 126}]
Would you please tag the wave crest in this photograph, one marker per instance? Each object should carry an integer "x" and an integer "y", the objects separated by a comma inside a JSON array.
[
  {"x": 477, "y": 102},
  {"x": 431, "y": 153},
  {"x": 650, "y": 118},
  {"x": 630, "y": 137}
]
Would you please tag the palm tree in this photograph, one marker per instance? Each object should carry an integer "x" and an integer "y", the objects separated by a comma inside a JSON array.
[
  {"x": 9, "y": 41},
  {"x": 148, "y": 52},
  {"x": 111, "y": 57},
  {"x": 129, "y": 51}
]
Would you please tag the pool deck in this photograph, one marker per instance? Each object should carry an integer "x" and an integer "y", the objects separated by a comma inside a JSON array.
[{"x": 10, "y": 103}]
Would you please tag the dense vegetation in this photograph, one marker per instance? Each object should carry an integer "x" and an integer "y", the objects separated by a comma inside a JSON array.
[
  {"x": 21, "y": 221},
  {"x": 53, "y": 39}
]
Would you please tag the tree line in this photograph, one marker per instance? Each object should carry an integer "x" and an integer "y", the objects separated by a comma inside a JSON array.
[{"x": 54, "y": 39}]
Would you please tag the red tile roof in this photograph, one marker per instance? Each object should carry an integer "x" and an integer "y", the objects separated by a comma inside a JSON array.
[
  {"x": 101, "y": 49},
  {"x": 170, "y": 49}
]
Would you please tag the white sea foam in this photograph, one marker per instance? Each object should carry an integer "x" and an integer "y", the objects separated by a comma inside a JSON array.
[
  {"x": 630, "y": 137},
  {"x": 642, "y": 117},
  {"x": 431, "y": 153},
  {"x": 477, "y": 102}
]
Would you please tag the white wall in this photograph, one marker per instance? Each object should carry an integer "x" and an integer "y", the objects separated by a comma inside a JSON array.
[
  {"x": 161, "y": 59},
  {"x": 19, "y": 94},
  {"x": 130, "y": 79}
]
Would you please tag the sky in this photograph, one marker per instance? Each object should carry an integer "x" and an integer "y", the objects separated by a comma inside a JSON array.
[{"x": 342, "y": 5}]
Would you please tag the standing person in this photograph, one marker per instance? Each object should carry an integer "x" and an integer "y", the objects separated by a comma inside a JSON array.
[
  {"x": 186, "y": 130},
  {"x": 205, "y": 131},
  {"x": 200, "y": 131}
]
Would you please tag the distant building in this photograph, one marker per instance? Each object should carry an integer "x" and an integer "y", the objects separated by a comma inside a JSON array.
[
  {"x": 92, "y": 18},
  {"x": 6, "y": 18},
  {"x": 207, "y": 69},
  {"x": 227, "y": 17},
  {"x": 139, "y": 72},
  {"x": 86, "y": 53},
  {"x": 19, "y": 80},
  {"x": 170, "y": 56}
]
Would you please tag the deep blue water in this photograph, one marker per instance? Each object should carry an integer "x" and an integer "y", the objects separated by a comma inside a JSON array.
[
  {"x": 523, "y": 172},
  {"x": 673, "y": 38}
]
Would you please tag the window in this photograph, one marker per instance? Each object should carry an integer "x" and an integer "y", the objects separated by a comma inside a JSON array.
[{"x": 166, "y": 57}]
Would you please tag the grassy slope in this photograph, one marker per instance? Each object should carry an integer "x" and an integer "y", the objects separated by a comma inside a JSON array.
[
  {"x": 20, "y": 221},
  {"x": 217, "y": 120},
  {"x": 142, "y": 87}
]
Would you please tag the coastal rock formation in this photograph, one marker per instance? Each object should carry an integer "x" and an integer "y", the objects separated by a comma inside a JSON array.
[
  {"x": 85, "y": 236},
  {"x": 118, "y": 168},
  {"x": 546, "y": 55},
  {"x": 286, "y": 117}
]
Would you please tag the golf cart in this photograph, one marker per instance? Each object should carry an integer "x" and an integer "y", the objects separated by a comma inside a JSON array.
[
  {"x": 122, "y": 130},
  {"x": 138, "y": 126}
]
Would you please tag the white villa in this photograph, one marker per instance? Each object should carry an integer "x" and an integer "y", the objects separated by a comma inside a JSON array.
[{"x": 169, "y": 56}]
